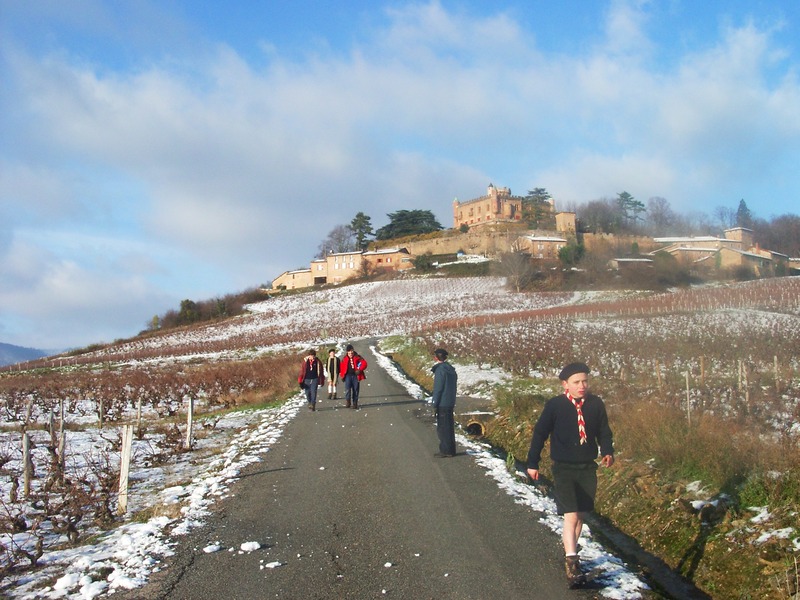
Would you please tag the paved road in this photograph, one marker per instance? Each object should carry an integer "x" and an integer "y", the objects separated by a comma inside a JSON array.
[{"x": 353, "y": 504}]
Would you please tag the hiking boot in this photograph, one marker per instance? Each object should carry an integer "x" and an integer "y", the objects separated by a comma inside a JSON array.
[{"x": 572, "y": 565}]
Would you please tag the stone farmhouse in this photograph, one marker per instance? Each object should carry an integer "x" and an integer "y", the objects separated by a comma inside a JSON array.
[
  {"x": 542, "y": 247},
  {"x": 336, "y": 267},
  {"x": 736, "y": 249}
]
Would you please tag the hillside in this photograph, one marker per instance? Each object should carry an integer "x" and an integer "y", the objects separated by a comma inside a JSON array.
[{"x": 737, "y": 343}]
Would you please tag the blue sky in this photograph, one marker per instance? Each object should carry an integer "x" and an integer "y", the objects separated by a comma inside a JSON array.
[{"x": 155, "y": 151}]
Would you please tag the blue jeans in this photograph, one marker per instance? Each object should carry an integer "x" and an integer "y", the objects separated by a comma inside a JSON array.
[
  {"x": 311, "y": 390},
  {"x": 351, "y": 385}
]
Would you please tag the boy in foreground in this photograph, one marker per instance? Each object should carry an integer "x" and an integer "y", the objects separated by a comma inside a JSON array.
[{"x": 577, "y": 425}]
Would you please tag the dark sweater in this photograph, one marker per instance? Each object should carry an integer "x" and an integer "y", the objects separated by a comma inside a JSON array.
[{"x": 559, "y": 422}]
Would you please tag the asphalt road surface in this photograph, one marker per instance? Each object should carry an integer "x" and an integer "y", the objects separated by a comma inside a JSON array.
[{"x": 353, "y": 504}]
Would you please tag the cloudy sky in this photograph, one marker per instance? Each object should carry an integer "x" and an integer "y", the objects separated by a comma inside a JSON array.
[{"x": 154, "y": 151}]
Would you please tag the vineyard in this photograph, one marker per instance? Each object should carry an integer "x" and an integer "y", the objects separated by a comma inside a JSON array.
[{"x": 724, "y": 352}]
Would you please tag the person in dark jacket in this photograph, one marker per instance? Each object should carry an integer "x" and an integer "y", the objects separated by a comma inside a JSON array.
[
  {"x": 352, "y": 373},
  {"x": 445, "y": 380},
  {"x": 577, "y": 425},
  {"x": 311, "y": 376},
  {"x": 332, "y": 367}
]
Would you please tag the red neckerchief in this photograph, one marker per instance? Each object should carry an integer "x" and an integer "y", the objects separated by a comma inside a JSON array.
[{"x": 578, "y": 404}]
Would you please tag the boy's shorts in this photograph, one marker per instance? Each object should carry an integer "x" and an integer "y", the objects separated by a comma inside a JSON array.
[{"x": 575, "y": 486}]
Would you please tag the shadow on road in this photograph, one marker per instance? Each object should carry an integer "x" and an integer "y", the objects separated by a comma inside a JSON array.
[{"x": 263, "y": 471}]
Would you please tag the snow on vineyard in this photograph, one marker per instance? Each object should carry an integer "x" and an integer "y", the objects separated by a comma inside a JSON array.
[{"x": 478, "y": 319}]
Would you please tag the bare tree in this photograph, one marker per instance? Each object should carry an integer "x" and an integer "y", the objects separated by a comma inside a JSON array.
[
  {"x": 518, "y": 269},
  {"x": 341, "y": 238},
  {"x": 660, "y": 217},
  {"x": 725, "y": 217}
]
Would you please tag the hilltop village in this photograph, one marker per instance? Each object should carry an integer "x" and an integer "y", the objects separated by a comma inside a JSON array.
[{"x": 492, "y": 225}]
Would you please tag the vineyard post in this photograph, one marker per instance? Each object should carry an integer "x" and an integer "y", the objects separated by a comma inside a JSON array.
[
  {"x": 740, "y": 374},
  {"x": 100, "y": 411},
  {"x": 124, "y": 468},
  {"x": 139, "y": 417},
  {"x": 688, "y": 405},
  {"x": 62, "y": 439},
  {"x": 702, "y": 370},
  {"x": 658, "y": 375},
  {"x": 27, "y": 465},
  {"x": 189, "y": 422},
  {"x": 777, "y": 374},
  {"x": 746, "y": 390}
]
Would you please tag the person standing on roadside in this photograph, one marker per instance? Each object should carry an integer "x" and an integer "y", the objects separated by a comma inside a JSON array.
[
  {"x": 332, "y": 367},
  {"x": 352, "y": 373},
  {"x": 311, "y": 376},
  {"x": 577, "y": 425},
  {"x": 445, "y": 380}
]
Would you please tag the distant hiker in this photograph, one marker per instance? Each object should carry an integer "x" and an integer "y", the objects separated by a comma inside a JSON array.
[
  {"x": 577, "y": 424},
  {"x": 445, "y": 379},
  {"x": 311, "y": 376},
  {"x": 352, "y": 372},
  {"x": 332, "y": 367}
]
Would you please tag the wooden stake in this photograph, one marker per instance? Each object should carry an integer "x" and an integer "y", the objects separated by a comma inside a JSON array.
[
  {"x": 189, "y": 423},
  {"x": 688, "y": 405},
  {"x": 27, "y": 465},
  {"x": 124, "y": 468},
  {"x": 702, "y": 370}
]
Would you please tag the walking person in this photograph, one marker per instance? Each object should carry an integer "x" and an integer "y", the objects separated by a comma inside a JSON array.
[
  {"x": 577, "y": 425},
  {"x": 352, "y": 373},
  {"x": 445, "y": 380},
  {"x": 332, "y": 367},
  {"x": 311, "y": 377}
]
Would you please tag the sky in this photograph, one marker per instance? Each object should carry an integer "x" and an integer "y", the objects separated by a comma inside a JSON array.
[{"x": 152, "y": 152}]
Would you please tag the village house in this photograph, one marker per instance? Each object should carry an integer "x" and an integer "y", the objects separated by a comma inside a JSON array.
[
  {"x": 289, "y": 280},
  {"x": 539, "y": 246},
  {"x": 736, "y": 249},
  {"x": 337, "y": 267},
  {"x": 389, "y": 259}
]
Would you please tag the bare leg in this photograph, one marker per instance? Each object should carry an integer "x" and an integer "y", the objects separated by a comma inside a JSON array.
[{"x": 573, "y": 524}]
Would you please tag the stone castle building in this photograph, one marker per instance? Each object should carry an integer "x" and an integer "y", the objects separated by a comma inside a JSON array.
[{"x": 497, "y": 206}]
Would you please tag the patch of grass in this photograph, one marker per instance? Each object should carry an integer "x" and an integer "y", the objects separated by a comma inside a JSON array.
[{"x": 172, "y": 511}]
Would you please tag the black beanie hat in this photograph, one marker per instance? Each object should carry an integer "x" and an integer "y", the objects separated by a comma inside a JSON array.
[
  {"x": 571, "y": 369},
  {"x": 440, "y": 353}
]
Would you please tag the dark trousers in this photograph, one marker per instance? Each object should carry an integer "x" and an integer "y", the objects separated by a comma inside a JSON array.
[
  {"x": 351, "y": 385},
  {"x": 445, "y": 429}
]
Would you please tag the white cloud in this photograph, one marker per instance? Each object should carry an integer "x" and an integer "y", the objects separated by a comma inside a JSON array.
[{"x": 235, "y": 171}]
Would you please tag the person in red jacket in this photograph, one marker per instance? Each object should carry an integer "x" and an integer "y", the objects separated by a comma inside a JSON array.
[
  {"x": 351, "y": 373},
  {"x": 311, "y": 377}
]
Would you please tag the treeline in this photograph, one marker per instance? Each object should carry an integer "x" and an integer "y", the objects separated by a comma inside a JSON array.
[
  {"x": 626, "y": 215},
  {"x": 207, "y": 310}
]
